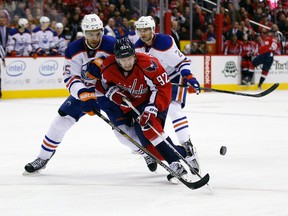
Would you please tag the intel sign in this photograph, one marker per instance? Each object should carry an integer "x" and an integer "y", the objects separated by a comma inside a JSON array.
[
  {"x": 48, "y": 68},
  {"x": 16, "y": 68}
]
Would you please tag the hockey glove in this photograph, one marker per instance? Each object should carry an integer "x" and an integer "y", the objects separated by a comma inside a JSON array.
[
  {"x": 13, "y": 53},
  {"x": 116, "y": 95},
  {"x": 53, "y": 52},
  {"x": 194, "y": 83},
  {"x": 40, "y": 52},
  {"x": 93, "y": 70},
  {"x": 148, "y": 114},
  {"x": 88, "y": 100}
]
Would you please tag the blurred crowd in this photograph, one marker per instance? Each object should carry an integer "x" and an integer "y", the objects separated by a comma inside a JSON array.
[{"x": 24, "y": 23}]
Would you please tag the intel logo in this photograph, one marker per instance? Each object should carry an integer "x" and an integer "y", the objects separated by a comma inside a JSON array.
[
  {"x": 16, "y": 68},
  {"x": 48, "y": 68}
]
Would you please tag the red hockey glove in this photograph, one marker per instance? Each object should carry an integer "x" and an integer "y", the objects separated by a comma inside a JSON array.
[
  {"x": 13, "y": 53},
  {"x": 148, "y": 114},
  {"x": 116, "y": 95},
  {"x": 88, "y": 101}
]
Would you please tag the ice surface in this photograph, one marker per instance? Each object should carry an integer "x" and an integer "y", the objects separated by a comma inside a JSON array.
[{"x": 92, "y": 174}]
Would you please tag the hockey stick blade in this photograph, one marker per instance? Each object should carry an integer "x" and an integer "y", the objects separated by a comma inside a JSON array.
[
  {"x": 191, "y": 185},
  {"x": 198, "y": 184},
  {"x": 261, "y": 94}
]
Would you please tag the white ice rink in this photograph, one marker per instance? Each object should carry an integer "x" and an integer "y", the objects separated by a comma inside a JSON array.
[{"x": 92, "y": 174}]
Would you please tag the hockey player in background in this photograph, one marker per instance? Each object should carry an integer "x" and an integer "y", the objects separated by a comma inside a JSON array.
[
  {"x": 43, "y": 39},
  {"x": 249, "y": 48},
  {"x": 178, "y": 68},
  {"x": 266, "y": 55},
  {"x": 61, "y": 43},
  {"x": 19, "y": 40},
  {"x": 142, "y": 80},
  {"x": 82, "y": 99}
]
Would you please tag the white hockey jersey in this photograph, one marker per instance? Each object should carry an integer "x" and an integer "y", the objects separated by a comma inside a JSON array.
[
  {"x": 165, "y": 50},
  {"x": 19, "y": 42},
  {"x": 61, "y": 45},
  {"x": 43, "y": 39},
  {"x": 77, "y": 56}
]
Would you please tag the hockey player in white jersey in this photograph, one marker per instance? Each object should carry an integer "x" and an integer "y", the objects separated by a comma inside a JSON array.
[
  {"x": 61, "y": 43},
  {"x": 43, "y": 39},
  {"x": 178, "y": 68},
  {"x": 19, "y": 40},
  {"x": 82, "y": 99}
]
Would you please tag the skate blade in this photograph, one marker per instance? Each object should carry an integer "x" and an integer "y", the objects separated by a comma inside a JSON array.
[
  {"x": 25, "y": 173},
  {"x": 174, "y": 180}
]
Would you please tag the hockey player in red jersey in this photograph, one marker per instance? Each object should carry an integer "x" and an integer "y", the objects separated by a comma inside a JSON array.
[
  {"x": 233, "y": 46},
  {"x": 143, "y": 81},
  {"x": 83, "y": 98},
  {"x": 266, "y": 55},
  {"x": 247, "y": 68}
]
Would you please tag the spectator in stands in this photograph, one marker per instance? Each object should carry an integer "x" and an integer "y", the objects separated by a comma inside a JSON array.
[
  {"x": 233, "y": 13},
  {"x": 4, "y": 30},
  {"x": 198, "y": 35},
  {"x": 20, "y": 9},
  {"x": 235, "y": 30},
  {"x": 124, "y": 12},
  {"x": 265, "y": 21},
  {"x": 184, "y": 33},
  {"x": 110, "y": 28},
  {"x": 174, "y": 33},
  {"x": 280, "y": 39},
  {"x": 177, "y": 16},
  {"x": 209, "y": 35},
  {"x": 19, "y": 40},
  {"x": 104, "y": 8},
  {"x": 196, "y": 49},
  {"x": 54, "y": 15},
  {"x": 226, "y": 20},
  {"x": 133, "y": 37},
  {"x": 43, "y": 39}
]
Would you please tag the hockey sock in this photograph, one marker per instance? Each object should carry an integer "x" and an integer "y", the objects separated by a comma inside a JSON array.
[
  {"x": 250, "y": 75},
  {"x": 179, "y": 121},
  {"x": 54, "y": 136},
  {"x": 262, "y": 78}
]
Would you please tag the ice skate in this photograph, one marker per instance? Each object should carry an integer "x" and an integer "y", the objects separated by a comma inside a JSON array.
[
  {"x": 151, "y": 163},
  {"x": 36, "y": 166},
  {"x": 192, "y": 157},
  {"x": 178, "y": 168}
]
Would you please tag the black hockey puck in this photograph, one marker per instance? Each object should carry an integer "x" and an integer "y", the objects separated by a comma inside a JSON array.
[{"x": 223, "y": 150}]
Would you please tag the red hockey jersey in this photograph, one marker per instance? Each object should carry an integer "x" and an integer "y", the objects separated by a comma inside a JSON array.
[
  {"x": 270, "y": 44},
  {"x": 147, "y": 82}
]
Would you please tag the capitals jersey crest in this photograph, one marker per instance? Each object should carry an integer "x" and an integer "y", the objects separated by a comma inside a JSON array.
[{"x": 153, "y": 67}]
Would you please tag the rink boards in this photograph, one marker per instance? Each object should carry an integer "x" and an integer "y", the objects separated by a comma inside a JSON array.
[{"x": 25, "y": 77}]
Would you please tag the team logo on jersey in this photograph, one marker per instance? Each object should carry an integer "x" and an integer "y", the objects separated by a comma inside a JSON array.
[
  {"x": 153, "y": 66},
  {"x": 230, "y": 69}
]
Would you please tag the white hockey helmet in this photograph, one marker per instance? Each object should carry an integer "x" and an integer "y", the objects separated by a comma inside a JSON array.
[
  {"x": 23, "y": 22},
  {"x": 91, "y": 22},
  {"x": 44, "y": 19},
  {"x": 145, "y": 22},
  {"x": 59, "y": 25}
]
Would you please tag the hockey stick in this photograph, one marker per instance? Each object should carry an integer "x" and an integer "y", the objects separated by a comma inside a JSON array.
[
  {"x": 169, "y": 144},
  {"x": 261, "y": 94},
  {"x": 191, "y": 185},
  {"x": 2, "y": 55}
]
